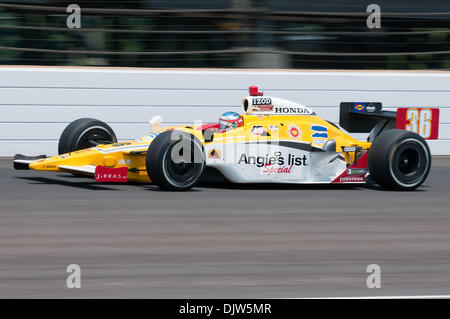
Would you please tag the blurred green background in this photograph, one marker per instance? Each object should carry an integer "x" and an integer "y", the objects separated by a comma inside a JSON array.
[{"x": 322, "y": 34}]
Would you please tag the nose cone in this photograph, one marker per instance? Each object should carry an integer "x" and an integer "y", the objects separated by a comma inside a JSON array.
[
  {"x": 47, "y": 164},
  {"x": 78, "y": 158}
]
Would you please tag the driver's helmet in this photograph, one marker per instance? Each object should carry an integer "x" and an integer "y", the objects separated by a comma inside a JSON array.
[{"x": 230, "y": 120}]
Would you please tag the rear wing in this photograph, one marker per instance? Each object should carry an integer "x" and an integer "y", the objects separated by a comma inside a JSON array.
[
  {"x": 365, "y": 117},
  {"x": 359, "y": 117}
]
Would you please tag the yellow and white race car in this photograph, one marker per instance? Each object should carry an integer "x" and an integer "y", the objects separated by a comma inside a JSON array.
[{"x": 273, "y": 141}]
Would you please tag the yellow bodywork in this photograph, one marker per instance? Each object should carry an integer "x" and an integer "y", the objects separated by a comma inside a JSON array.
[{"x": 280, "y": 127}]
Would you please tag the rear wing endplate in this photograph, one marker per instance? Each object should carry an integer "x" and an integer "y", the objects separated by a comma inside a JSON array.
[{"x": 365, "y": 117}]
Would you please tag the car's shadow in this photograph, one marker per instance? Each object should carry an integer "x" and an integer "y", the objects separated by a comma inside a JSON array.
[
  {"x": 89, "y": 185},
  {"x": 373, "y": 187},
  {"x": 277, "y": 186},
  {"x": 84, "y": 182}
]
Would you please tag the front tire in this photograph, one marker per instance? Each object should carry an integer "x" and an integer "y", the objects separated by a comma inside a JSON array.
[
  {"x": 399, "y": 160},
  {"x": 84, "y": 133},
  {"x": 170, "y": 173}
]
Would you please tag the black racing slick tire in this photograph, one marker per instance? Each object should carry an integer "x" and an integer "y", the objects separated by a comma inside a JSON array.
[
  {"x": 84, "y": 133},
  {"x": 175, "y": 160},
  {"x": 399, "y": 160}
]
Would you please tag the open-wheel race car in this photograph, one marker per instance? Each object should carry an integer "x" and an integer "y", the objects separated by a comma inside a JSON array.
[{"x": 274, "y": 141}]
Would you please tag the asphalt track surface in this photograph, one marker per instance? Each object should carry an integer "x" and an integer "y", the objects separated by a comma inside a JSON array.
[{"x": 226, "y": 241}]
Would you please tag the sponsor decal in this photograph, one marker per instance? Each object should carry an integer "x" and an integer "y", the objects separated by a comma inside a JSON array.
[
  {"x": 106, "y": 174},
  {"x": 294, "y": 131},
  {"x": 124, "y": 162},
  {"x": 83, "y": 151},
  {"x": 359, "y": 107},
  {"x": 364, "y": 107},
  {"x": 356, "y": 171},
  {"x": 260, "y": 161},
  {"x": 262, "y": 104},
  {"x": 63, "y": 156},
  {"x": 349, "y": 149},
  {"x": 273, "y": 127},
  {"x": 271, "y": 169},
  {"x": 264, "y": 108},
  {"x": 258, "y": 130},
  {"x": 319, "y": 141},
  {"x": 120, "y": 144},
  {"x": 262, "y": 101},
  {"x": 319, "y": 131},
  {"x": 275, "y": 164},
  {"x": 351, "y": 179},
  {"x": 214, "y": 154},
  {"x": 290, "y": 110},
  {"x": 370, "y": 108}
]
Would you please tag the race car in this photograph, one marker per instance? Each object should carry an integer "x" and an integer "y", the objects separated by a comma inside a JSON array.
[{"x": 273, "y": 141}]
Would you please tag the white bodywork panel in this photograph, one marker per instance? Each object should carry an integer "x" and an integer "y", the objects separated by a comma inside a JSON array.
[
  {"x": 24, "y": 161},
  {"x": 277, "y": 162},
  {"x": 267, "y": 105},
  {"x": 86, "y": 169}
]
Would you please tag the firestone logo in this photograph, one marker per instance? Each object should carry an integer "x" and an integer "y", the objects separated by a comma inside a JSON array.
[{"x": 347, "y": 179}]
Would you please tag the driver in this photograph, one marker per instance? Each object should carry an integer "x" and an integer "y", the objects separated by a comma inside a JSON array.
[{"x": 229, "y": 121}]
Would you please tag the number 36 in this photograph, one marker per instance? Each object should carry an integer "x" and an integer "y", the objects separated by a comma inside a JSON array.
[{"x": 419, "y": 122}]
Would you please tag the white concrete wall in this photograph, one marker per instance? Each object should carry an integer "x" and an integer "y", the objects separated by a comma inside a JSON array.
[{"x": 37, "y": 103}]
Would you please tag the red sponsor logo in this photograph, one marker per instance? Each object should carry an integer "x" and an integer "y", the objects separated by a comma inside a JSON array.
[
  {"x": 265, "y": 107},
  {"x": 294, "y": 131},
  {"x": 423, "y": 121},
  {"x": 269, "y": 169},
  {"x": 106, "y": 174}
]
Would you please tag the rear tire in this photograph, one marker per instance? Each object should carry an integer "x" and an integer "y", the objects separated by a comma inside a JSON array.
[
  {"x": 399, "y": 160},
  {"x": 164, "y": 170},
  {"x": 81, "y": 134}
]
